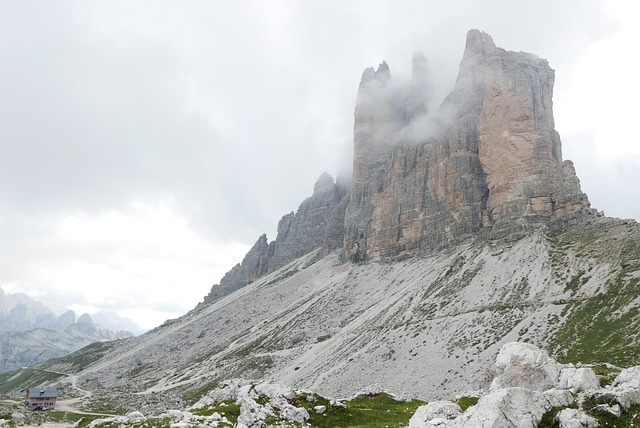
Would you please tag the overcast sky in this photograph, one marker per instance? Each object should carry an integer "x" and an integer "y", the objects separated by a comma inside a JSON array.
[{"x": 145, "y": 145}]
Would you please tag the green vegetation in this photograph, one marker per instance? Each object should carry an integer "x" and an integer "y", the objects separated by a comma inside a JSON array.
[
  {"x": 606, "y": 326},
  {"x": 228, "y": 408},
  {"x": 605, "y": 374},
  {"x": 38, "y": 418},
  {"x": 81, "y": 420},
  {"x": 466, "y": 402},
  {"x": 602, "y": 328},
  {"x": 149, "y": 423},
  {"x": 548, "y": 417},
  {"x": 82, "y": 358},
  {"x": 21, "y": 379},
  {"x": 576, "y": 282},
  {"x": 630, "y": 417},
  {"x": 365, "y": 411}
]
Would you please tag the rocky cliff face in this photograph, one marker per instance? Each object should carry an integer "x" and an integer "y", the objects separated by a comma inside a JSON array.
[
  {"x": 314, "y": 225},
  {"x": 487, "y": 163}
]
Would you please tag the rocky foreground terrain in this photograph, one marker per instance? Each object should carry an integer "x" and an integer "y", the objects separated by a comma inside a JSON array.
[
  {"x": 460, "y": 230},
  {"x": 529, "y": 390}
]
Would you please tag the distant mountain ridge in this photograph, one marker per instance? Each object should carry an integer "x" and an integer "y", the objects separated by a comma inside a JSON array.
[{"x": 30, "y": 333}]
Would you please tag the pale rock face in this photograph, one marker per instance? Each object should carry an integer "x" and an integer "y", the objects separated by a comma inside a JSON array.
[
  {"x": 629, "y": 377},
  {"x": 252, "y": 413},
  {"x": 558, "y": 398},
  {"x": 135, "y": 416},
  {"x": 574, "y": 418},
  {"x": 227, "y": 390},
  {"x": 626, "y": 386},
  {"x": 572, "y": 378},
  {"x": 298, "y": 234},
  {"x": 529, "y": 383},
  {"x": 489, "y": 161},
  {"x": 525, "y": 365},
  {"x": 505, "y": 408},
  {"x": 434, "y": 413},
  {"x": 615, "y": 410}
]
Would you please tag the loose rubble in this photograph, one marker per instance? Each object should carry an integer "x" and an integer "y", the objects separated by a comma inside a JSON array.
[
  {"x": 529, "y": 383},
  {"x": 529, "y": 388}
]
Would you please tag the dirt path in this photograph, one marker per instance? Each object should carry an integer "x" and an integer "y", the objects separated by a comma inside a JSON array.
[{"x": 69, "y": 405}]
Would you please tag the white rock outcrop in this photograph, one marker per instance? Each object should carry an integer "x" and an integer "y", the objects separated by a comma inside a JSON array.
[
  {"x": 505, "y": 408},
  {"x": 577, "y": 378},
  {"x": 529, "y": 383},
  {"x": 227, "y": 390},
  {"x": 626, "y": 386},
  {"x": 525, "y": 365},
  {"x": 574, "y": 418},
  {"x": 257, "y": 400},
  {"x": 435, "y": 413},
  {"x": 628, "y": 378}
]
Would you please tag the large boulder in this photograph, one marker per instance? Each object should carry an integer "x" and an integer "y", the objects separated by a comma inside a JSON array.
[
  {"x": 505, "y": 408},
  {"x": 626, "y": 386},
  {"x": 574, "y": 418},
  {"x": 628, "y": 378},
  {"x": 434, "y": 414},
  {"x": 258, "y": 402},
  {"x": 525, "y": 365},
  {"x": 581, "y": 378}
]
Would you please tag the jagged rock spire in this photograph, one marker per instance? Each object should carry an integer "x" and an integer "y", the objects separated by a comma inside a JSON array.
[
  {"x": 488, "y": 162},
  {"x": 493, "y": 166}
]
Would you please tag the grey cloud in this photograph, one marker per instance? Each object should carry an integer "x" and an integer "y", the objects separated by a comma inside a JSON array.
[{"x": 229, "y": 109}]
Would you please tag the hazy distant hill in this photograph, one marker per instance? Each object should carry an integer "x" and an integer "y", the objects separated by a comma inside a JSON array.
[
  {"x": 30, "y": 333},
  {"x": 18, "y": 312}
]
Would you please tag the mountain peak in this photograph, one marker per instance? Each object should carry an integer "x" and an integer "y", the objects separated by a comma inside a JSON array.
[
  {"x": 324, "y": 184},
  {"x": 478, "y": 42},
  {"x": 486, "y": 164}
]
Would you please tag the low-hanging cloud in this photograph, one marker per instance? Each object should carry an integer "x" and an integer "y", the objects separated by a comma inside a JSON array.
[{"x": 224, "y": 113}]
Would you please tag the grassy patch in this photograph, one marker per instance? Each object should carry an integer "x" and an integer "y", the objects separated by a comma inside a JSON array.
[
  {"x": 365, "y": 411},
  {"x": 72, "y": 418},
  {"x": 549, "y": 416},
  {"x": 629, "y": 417},
  {"x": 605, "y": 374},
  {"x": 226, "y": 408},
  {"x": 576, "y": 282},
  {"x": 466, "y": 402},
  {"x": 602, "y": 328},
  {"x": 82, "y": 358},
  {"x": 21, "y": 379}
]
